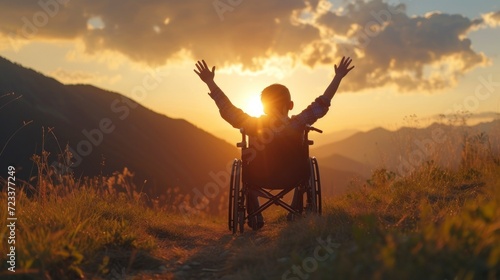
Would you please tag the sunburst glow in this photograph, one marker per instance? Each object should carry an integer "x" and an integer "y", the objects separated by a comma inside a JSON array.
[{"x": 253, "y": 106}]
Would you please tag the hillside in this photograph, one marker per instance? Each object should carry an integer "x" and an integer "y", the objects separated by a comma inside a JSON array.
[
  {"x": 105, "y": 132},
  {"x": 337, "y": 181},
  {"x": 407, "y": 147},
  {"x": 434, "y": 224}
]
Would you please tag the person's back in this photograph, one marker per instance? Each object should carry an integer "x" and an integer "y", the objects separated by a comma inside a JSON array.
[{"x": 275, "y": 156}]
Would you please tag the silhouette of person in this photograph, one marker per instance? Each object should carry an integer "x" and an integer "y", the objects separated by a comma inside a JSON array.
[{"x": 275, "y": 126}]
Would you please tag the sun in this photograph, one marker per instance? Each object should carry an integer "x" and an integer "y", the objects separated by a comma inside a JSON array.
[{"x": 253, "y": 106}]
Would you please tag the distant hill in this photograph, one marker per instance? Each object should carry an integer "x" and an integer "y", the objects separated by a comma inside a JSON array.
[
  {"x": 330, "y": 137},
  {"x": 342, "y": 163},
  {"x": 406, "y": 147},
  {"x": 336, "y": 182},
  {"x": 365, "y": 148},
  {"x": 100, "y": 125}
]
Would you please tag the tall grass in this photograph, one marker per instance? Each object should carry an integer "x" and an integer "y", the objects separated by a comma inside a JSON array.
[{"x": 60, "y": 235}]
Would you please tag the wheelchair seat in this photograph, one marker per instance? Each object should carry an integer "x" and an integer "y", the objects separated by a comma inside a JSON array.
[{"x": 273, "y": 161}]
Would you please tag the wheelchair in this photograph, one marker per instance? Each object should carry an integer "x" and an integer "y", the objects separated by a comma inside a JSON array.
[{"x": 305, "y": 181}]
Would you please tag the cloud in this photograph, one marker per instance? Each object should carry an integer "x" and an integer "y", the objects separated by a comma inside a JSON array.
[
  {"x": 390, "y": 48},
  {"x": 425, "y": 53},
  {"x": 153, "y": 31},
  {"x": 492, "y": 19}
]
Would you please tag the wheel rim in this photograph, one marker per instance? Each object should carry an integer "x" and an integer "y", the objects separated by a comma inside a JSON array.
[
  {"x": 236, "y": 195},
  {"x": 314, "y": 190},
  {"x": 231, "y": 197},
  {"x": 317, "y": 185},
  {"x": 311, "y": 191}
]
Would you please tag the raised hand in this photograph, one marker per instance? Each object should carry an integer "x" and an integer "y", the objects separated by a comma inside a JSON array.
[
  {"x": 204, "y": 73},
  {"x": 343, "y": 67}
]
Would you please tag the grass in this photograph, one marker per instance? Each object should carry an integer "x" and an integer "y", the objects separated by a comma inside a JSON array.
[
  {"x": 386, "y": 232},
  {"x": 434, "y": 223},
  {"x": 93, "y": 232},
  {"x": 61, "y": 235}
]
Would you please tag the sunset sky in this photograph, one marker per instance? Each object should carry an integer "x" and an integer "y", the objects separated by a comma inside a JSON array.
[{"x": 423, "y": 57}]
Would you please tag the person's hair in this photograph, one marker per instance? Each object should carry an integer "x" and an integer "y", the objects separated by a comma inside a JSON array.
[{"x": 276, "y": 96}]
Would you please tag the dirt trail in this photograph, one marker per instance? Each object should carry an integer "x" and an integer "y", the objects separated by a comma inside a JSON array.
[{"x": 201, "y": 253}]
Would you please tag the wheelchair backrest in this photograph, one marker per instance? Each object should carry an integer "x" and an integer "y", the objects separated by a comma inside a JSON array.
[{"x": 276, "y": 159}]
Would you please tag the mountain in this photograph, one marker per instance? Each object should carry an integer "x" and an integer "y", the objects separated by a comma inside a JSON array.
[
  {"x": 363, "y": 147},
  {"x": 343, "y": 163},
  {"x": 336, "y": 182},
  {"x": 406, "y": 147},
  {"x": 105, "y": 132},
  {"x": 330, "y": 137}
]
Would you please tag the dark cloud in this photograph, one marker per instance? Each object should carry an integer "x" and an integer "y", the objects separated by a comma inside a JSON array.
[
  {"x": 388, "y": 46},
  {"x": 153, "y": 31}
]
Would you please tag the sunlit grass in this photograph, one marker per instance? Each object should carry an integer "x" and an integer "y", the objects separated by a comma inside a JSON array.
[{"x": 61, "y": 235}]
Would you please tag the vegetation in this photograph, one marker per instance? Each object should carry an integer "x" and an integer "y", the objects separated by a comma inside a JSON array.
[{"x": 433, "y": 223}]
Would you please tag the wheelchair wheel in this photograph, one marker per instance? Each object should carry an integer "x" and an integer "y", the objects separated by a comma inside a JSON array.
[
  {"x": 313, "y": 191},
  {"x": 235, "y": 194}
]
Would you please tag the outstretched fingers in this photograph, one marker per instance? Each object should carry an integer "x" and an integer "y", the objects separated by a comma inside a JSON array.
[
  {"x": 201, "y": 66},
  {"x": 199, "y": 69},
  {"x": 342, "y": 61},
  {"x": 345, "y": 61}
]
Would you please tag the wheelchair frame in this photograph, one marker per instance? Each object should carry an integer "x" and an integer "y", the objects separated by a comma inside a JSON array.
[{"x": 238, "y": 190}]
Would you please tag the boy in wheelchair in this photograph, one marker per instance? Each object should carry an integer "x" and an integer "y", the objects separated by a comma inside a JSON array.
[{"x": 275, "y": 158}]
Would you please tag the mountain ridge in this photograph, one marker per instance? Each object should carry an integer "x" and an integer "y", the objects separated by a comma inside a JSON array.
[
  {"x": 102, "y": 125},
  {"x": 382, "y": 148}
]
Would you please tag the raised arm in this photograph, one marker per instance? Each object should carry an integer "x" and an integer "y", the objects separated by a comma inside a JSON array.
[
  {"x": 232, "y": 114},
  {"x": 340, "y": 72},
  {"x": 320, "y": 106}
]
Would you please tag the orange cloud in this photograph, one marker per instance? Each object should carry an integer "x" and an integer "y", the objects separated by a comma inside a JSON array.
[
  {"x": 388, "y": 46},
  {"x": 492, "y": 19}
]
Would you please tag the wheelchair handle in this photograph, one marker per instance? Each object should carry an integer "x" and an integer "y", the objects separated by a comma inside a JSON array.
[
  {"x": 310, "y": 127},
  {"x": 243, "y": 143}
]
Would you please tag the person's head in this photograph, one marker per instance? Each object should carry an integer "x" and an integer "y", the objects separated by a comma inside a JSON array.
[{"x": 276, "y": 100}]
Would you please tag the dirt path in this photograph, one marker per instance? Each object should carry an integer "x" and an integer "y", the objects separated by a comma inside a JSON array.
[{"x": 201, "y": 253}]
